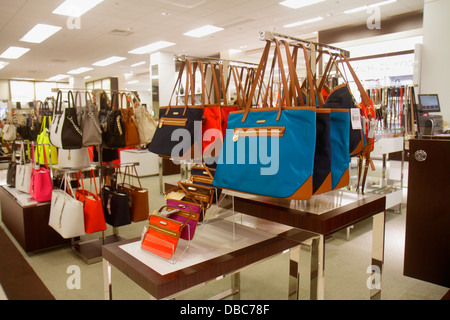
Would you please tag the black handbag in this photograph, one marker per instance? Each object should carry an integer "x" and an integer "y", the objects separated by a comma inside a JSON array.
[
  {"x": 185, "y": 143},
  {"x": 114, "y": 136},
  {"x": 116, "y": 206},
  {"x": 71, "y": 134},
  {"x": 11, "y": 173}
]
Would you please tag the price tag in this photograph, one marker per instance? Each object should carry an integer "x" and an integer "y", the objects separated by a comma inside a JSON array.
[{"x": 355, "y": 119}]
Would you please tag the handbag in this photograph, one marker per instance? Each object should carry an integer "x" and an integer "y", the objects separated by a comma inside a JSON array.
[
  {"x": 166, "y": 141},
  {"x": 116, "y": 207},
  {"x": 203, "y": 175},
  {"x": 65, "y": 132},
  {"x": 94, "y": 219},
  {"x": 185, "y": 214},
  {"x": 138, "y": 196},
  {"x": 201, "y": 193},
  {"x": 43, "y": 138},
  {"x": 129, "y": 123},
  {"x": 288, "y": 132},
  {"x": 41, "y": 185},
  {"x": 9, "y": 132},
  {"x": 145, "y": 124},
  {"x": 74, "y": 158},
  {"x": 12, "y": 168},
  {"x": 66, "y": 212},
  {"x": 114, "y": 136},
  {"x": 23, "y": 173},
  {"x": 90, "y": 124},
  {"x": 162, "y": 235}
]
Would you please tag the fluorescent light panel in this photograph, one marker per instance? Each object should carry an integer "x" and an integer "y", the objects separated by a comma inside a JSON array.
[
  {"x": 138, "y": 64},
  {"x": 108, "y": 61},
  {"x": 155, "y": 46},
  {"x": 299, "y": 23},
  {"x": 14, "y": 52},
  {"x": 364, "y": 8},
  {"x": 80, "y": 70},
  {"x": 58, "y": 77},
  {"x": 76, "y": 8},
  {"x": 3, "y": 64},
  {"x": 40, "y": 32},
  {"x": 203, "y": 31},
  {"x": 295, "y": 4}
]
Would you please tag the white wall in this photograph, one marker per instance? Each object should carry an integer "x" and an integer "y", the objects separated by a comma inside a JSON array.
[{"x": 435, "y": 71}]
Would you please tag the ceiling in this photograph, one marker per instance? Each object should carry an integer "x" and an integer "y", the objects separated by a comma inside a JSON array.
[{"x": 148, "y": 21}]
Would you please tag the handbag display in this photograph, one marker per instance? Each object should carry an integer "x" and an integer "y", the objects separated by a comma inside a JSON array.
[
  {"x": 146, "y": 125},
  {"x": 65, "y": 132},
  {"x": 287, "y": 129},
  {"x": 41, "y": 184},
  {"x": 138, "y": 196},
  {"x": 162, "y": 235},
  {"x": 170, "y": 142},
  {"x": 94, "y": 219},
  {"x": 129, "y": 122},
  {"x": 66, "y": 212},
  {"x": 74, "y": 158},
  {"x": 90, "y": 124},
  {"x": 23, "y": 173},
  {"x": 114, "y": 135}
]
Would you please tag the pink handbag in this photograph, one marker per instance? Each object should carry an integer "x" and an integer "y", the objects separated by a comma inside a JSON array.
[{"x": 41, "y": 185}]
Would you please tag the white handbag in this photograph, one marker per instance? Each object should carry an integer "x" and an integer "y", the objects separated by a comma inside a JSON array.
[
  {"x": 57, "y": 122},
  {"x": 145, "y": 124},
  {"x": 23, "y": 173},
  {"x": 9, "y": 132},
  {"x": 66, "y": 214},
  {"x": 74, "y": 158}
]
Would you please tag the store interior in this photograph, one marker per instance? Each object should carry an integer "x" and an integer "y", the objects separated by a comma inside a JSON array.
[{"x": 392, "y": 48}]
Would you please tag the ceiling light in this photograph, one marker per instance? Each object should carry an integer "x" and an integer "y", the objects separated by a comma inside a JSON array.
[
  {"x": 107, "y": 62},
  {"x": 80, "y": 70},
  {"x": 299, "y": 23},
  {"x": 3, "y": 64},
  {"x": 203, "y": 31},
  {"x": 138, "y": 64},
  {"x": 58, "y": 77},
  {"x": 232, "y": 51},
  {"x": 155, "y": 46},
  {"x": 295, "y": 4},
  {"x": 40, "y": 32},
  {"x": 132, "y": 82},
  {"x": 14, "y": 52},
  {"x": 76, "y": 8},
  {"x": 364, "y": 8}
]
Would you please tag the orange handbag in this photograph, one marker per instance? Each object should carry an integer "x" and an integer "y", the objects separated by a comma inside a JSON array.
[
  {"x": 131, "y": 132},
  {"x": 163, "y": 234}
]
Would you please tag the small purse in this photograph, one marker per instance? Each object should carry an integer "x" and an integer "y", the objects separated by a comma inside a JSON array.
[
  {"x": 184, "y": 213},
  {"x": 177, "y": 198},
  {"x": 94, "y": 220},
  {"x": 162, "y": 235},
  {"x": 203, "y": 175},
  {"x": 201, "y": 193},
  {"x": 138, "y": 197}
]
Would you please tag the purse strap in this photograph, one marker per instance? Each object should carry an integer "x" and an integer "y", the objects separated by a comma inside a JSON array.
[{"x": 186, "y": 221}]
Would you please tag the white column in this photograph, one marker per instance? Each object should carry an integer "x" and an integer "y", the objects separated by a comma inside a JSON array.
[
  {"x": 435, "y": 60},
  {"x": 166, "y": 76}
]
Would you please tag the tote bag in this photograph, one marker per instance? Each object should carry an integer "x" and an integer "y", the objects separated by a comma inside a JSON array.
[
  {"x": 23, "y": 172},
  {"x": 41, "y": 184},
  {"x": 288, "y": 132}
]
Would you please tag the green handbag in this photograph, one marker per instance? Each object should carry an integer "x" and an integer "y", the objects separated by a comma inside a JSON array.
[{"x": 43, "y": 142}]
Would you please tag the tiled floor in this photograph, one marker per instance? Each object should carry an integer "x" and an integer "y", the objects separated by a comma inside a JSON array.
[{"x": 345, "y": 265}]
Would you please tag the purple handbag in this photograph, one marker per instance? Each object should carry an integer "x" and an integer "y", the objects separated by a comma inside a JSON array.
[{"x": 185, "y": 210}]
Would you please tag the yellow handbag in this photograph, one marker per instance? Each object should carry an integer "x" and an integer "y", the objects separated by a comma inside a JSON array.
[{"x": 43, "y": 142}]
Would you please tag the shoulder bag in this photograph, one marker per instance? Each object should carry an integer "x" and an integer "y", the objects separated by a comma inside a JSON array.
[
  {"x": 44, "y": 145},
  {"x": 114, "y": 136},
  {"x": 23, "y": 172},
  {"x": 41, "y": 185},
  {"x": 129, "y": 123},
  {"x": 146, "y": 125},
  {"x": 138, "y": 196},
  {"x": 90, "y": 124}
]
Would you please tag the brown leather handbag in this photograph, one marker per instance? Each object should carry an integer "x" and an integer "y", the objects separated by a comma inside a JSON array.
[
  {"x": 129, "y": 121},
  {"x": 137, "y": 195}
]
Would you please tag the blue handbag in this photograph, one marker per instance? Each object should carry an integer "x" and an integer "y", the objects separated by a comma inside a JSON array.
[{"x": 269, "y": 151}]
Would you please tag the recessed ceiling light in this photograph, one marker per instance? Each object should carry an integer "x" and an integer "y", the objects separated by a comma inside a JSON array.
[
  {"x": 203, "y": 31},
  {"x": 40, "y": 32},
  {"x": 138, "y": 64},
  {"x": 58, "y": 77},
  {"x": 76, "y": 8},
  {"x": 295, "y": 4},
  {"x": 155, "y": 46},
  {"x": 232, "y": 51},
  {"x": 364, "y": 8},
  {"x": 132, "y": 82},
  {"x": 3, "y": 64},
  {"x": 80, "y": 70},
  {"x": 14, "y": 52},
  {"x": 108, "y": 61},
  {"x": 299, "y": 23}
]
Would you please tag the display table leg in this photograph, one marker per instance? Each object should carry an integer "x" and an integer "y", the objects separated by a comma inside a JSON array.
[
  {"x": 317, "y": 283},
  {"x": 107, "y": 284},
  {"x": 378, "y": 235}
]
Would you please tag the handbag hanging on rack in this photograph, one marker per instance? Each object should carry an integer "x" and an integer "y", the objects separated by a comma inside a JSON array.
[
  {"x": 66, "y": 212},
  {"x": 94, "y": 219},
  {"x": 146, "y": 125},
  {"x": 289, "y": 130},
  {"x": 138, "y": 196},
  {"x": 116, "y": 205},
  {"x": 23, "y": 172},
  {"x": 12, "y": 168},
  {"x": 129, "y": 122},
  {"x": 41, "y": 185},
  {"x": 43, "y": 138},
  {"x": 162, "y": 234},
  {"x": 90, "y": 124},
  {"x": 74, "y": 158},
  {"x": 166, "y": 141},
  {"x": 114, "y": 136}
]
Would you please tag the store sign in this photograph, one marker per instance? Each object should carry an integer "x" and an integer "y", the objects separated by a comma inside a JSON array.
[{"x": 381, "y": 68}]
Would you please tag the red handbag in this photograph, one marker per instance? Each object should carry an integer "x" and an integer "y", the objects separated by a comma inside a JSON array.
[
  {"x": 163, "y": 234},
  {"x": 41, "y": 185},
  {"x": 94, "y": 219}
]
